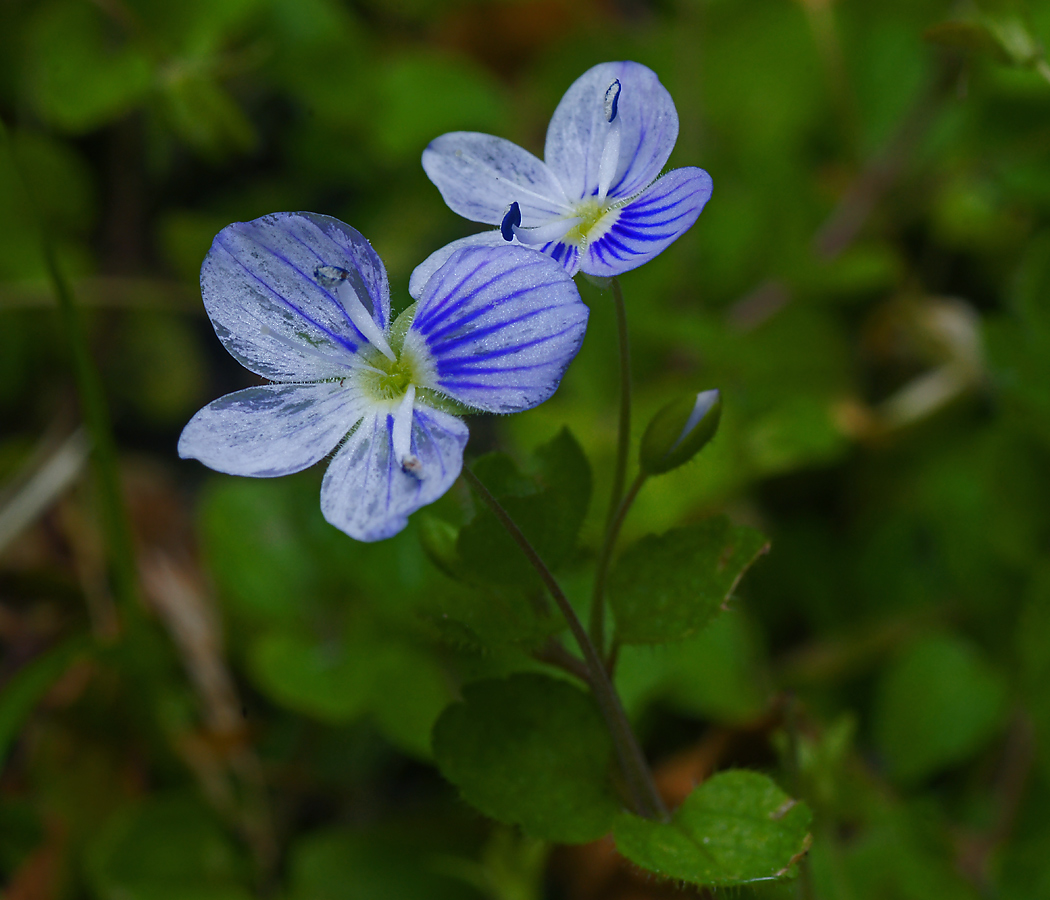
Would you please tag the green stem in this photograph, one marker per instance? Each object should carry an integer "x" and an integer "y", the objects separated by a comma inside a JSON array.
[
  {"x": 644, "y": 797},
  {"x": 623, "y": 447},
  {"x": 95, "y": 411},
  {"x": 612, "y": 534}
]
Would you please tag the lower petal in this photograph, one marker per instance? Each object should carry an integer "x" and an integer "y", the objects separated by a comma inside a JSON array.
[
  {"x": 366, "y": 492},
  {"x": 647, "y": 225},
  {"x": 271, "y": 430}
]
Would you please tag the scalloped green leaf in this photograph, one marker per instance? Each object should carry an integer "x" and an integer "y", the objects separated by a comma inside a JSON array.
[
  {"x": 531, "y": 751},
  {"x": 668, "y": 587},
  {"x": 738, "y": 827}
]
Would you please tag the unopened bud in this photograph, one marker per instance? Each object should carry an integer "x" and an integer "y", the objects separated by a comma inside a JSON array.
[{"x": 679, "y": 431}]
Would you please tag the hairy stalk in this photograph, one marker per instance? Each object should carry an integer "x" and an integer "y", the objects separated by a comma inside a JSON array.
[
  {"x": 623, "y": 447},
  {"x": 95, "y": 411},
  {"x": 644, "y": 797},
  {"x": 612, "y": 533}
]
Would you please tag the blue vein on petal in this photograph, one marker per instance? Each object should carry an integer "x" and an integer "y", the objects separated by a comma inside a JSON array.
[
  {"x": 452, "y": 374},
  {"x": 438, "y": 335},
  {"x": 339, "y": 339},
  {"x": 447, "y": 375},
  {"x": 439, "y": 343},
  {"x": 499, "y": 351},
  {"x": 352, "y": 259},
  {"x": 426, "y": 315},
  {"x": 313, "y": 282},
  {"x": 389, "y": 458},
  {"x": 452, "y": 302},
  {"x": 422, "y": 420}
]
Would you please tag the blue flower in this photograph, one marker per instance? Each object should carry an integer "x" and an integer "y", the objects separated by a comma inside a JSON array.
[
  {"x": 597, "y": 204},
  {"x": 303, "y": 300}
]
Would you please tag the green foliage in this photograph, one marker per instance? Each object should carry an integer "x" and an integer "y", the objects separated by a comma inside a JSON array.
[
  {"x": 737, "y": 827},
  {"x": 548, "y": 506},
  {"x": 530, "y": 751},
  {"x": 23, "y": 691},
  {"x": 715, "y": 674},
  {"x": 82, "y": 74},
  {"x": 937, "y": 704},
  {"x": 669, "y": 587},
  {"x": 891, "y": 659},
  {"x": 348, "y": 865},
  {"x": 166, "y": 849}
]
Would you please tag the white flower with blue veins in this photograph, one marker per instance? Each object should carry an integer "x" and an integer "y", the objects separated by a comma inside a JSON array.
[
  {"x": 595, "y": 203},
  {"x": 303, "y": 300}
]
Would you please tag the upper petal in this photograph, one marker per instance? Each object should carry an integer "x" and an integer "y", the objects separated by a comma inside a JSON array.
[
  {"x": 498, "y": 326},
  {"x": 275, "y": 429},
  {"x": 479, "y": 176},
  {"x": 262, "y": 294},
  {"x": 652, "y": 221},
  {"x": 577, "y": 131},
  {"x": 367, "y": 494},
  {"x": 422, "y": 273}
]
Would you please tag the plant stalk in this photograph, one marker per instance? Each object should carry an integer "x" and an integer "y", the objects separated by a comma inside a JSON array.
[
  {"x": 623, "y": 448},
  {"x": 643, "y": 794}
]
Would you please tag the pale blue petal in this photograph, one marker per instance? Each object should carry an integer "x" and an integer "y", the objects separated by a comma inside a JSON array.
[
  {"x": 498, "y": 326},
  {"x": 271, "y": 430},
  {"x": 421, "y": 274},
  {"x": 576, "y": 135},
  {"x": 650, "y": 223},
  {"x": 368, "y": 495},
  {"x": 263, "y": 297},
  {"x": 479, "y": 176}
]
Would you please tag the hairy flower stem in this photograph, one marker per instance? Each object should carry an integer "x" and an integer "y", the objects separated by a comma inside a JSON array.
[
  {"x": 612, "y": 533},
  {"x": 643, "y": 795},
  {"x": 623, "y": 447},
  {"x": 95, "y": 411}
]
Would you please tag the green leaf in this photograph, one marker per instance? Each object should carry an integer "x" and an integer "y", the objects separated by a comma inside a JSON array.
[
  {"x": 82, "y": 74},
  {"x": 347, "y": 865},
  {"x": 531, "y": 751},
  {"x": 669, "y": 587},
  {"x": 737, "y": 827},
  {"x": 549, "y": 507},
  {"x": 717, "y": 674},
  {"x": 24, "y": 689},
  {"x": 169, "y": 848},
  {"x": 497, "y": 616},
  {"x": 936, "y": 705},
  {"x": 325, "y": 680}
]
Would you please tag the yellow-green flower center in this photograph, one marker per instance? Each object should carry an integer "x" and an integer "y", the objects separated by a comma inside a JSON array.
[
  {"x": 596, "y": 218},
  {"x": 393, "y": 376}
]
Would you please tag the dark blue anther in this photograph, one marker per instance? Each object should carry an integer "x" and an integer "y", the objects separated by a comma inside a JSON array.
[
  {"x": 511, "y": 220},
  {"x": 330, "y": 276},
  {"x": 612, "y": 100}
]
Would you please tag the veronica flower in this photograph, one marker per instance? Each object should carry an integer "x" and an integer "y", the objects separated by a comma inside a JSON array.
[
  {"x": 303, "y": 300},
  {"x": 595, "y": 204}
]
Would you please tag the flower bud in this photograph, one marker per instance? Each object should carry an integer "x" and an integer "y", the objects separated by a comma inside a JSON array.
[{"x": 679, "y": 431}]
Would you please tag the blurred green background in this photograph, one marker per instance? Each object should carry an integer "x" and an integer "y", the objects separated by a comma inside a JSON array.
[{"x": 869, "y": 287}]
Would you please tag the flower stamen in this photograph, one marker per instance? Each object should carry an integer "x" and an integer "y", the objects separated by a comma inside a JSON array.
[
  {"x": 401, "y": 436},
  {"x": 330, "y": 277},
  {"x": 511, "y": 227},
  {"x": 611, "y": 150}
]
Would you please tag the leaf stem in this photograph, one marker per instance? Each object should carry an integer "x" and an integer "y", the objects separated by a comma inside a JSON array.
[
  {"x": 623, "y": 447},
  {"x": 644, "y": 797}
]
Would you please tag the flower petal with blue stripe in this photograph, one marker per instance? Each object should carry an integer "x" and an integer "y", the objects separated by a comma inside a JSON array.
[
  {"x": 303, "y": 300},
  {"x": 597, "y": 203}
]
